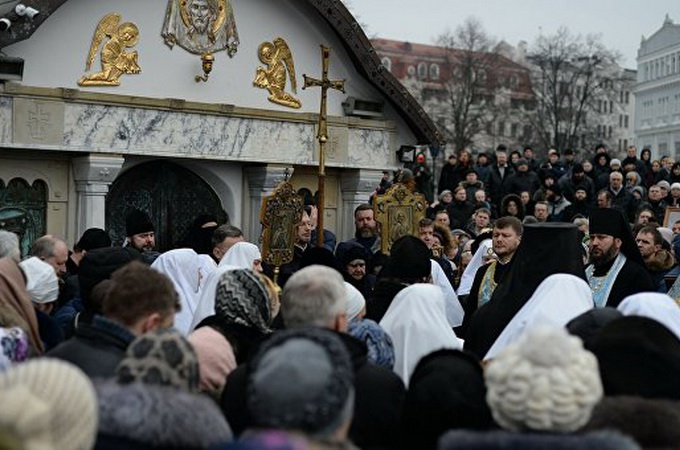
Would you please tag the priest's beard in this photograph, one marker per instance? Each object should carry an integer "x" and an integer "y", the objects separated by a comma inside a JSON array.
[{"x": 598, "y": 257}]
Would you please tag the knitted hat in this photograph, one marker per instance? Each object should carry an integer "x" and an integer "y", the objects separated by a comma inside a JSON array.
[
  {"x": 93, "y": 238},
  {"x": 302, "y": 380},
  {"x": 137, "y": 222},
  {"x": 675, "y": 186},
  {"x": 379, "y": 343},
  {"x": 13, "y": 346},
  {"x": 42, "y": 284},
  {"x": 46, "y": 401},
  {"x": 162, "y": 357},
  {"x": 409, "y": 259},
  {"x": 241, "y": 298},
  {"x": 544, "y": 381},
  {"x": 666, "y": 234},
  {"x": 215, "y": 358},
  {"x": 615, "y": 162},
  {"x": 443, "y": 193}
]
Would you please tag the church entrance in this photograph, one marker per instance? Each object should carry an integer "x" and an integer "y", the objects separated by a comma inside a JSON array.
[{"x": 172, "y": 196}]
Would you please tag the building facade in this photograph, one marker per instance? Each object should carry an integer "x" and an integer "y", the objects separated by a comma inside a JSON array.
[
  {"x": 657, "y": 93},
  {"x": 116, "y": 109}
]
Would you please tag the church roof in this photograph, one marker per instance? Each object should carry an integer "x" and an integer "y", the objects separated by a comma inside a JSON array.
[{"x": 343, "y": 23}]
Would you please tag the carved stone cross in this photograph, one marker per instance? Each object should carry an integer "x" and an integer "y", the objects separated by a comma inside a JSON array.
[{"x": 322, "y": 135}]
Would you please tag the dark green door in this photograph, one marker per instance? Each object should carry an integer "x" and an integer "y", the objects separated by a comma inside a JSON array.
[
  {"x": 23, "y": 210},
  {"x": 171, "y": 195}
]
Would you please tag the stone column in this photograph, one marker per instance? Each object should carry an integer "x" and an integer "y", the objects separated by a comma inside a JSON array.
[
  {"x": 262, "y": 180},
  {"x": 357, "y": 187},
  {"x": 93, "y": 175}
]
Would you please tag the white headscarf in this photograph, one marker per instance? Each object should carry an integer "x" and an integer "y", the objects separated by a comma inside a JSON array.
[
  {"x": 355, "y": 302},
  {"x": 653, "y": 305},
  {"x": 241, "y": 255},
  {"x": 471, "y": 270},
  {"x": 416, "y": 322},
  {"x": 557, "y": 300},
  {"x": 183, "y": 267},
  {"x": 454, "y": 310},
  {"x": 41, "y": 280},
  {"x": 205, "y": 306}
]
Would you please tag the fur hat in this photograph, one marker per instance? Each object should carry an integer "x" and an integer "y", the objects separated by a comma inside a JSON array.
[
  {"x": 137, "y": 222},
  {"x": 664, "y": 185},
  {"x": 544, "y": 381},
  {"x": 47, "y": 403},
  {"x": 42, "y": 284}
]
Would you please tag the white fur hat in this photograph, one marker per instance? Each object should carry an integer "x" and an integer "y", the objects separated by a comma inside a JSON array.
[{"x": 544, "y": 381}]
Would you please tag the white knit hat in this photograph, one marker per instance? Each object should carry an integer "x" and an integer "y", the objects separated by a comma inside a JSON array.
[
  {"x": 355, "y": 302},
  {"x": 48, "y": 393},
  {"x": 544, "y": 381},
  {"x": 41, "y": 280}
]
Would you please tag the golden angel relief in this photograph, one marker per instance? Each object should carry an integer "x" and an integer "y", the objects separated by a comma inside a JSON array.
[
  {"x": 115, "y": 60},
  {"x": 279, "y": 60}
]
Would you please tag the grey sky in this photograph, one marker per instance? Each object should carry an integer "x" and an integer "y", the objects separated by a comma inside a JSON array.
[{"x": 620, "y": 22}]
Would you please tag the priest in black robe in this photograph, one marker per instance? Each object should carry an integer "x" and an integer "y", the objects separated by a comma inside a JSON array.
[{"x": 617, "y": 269}]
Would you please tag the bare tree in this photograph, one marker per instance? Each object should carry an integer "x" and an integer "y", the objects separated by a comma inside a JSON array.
[
  {"x": 472, "y": 82},
  {"x": 572, "y": 77}
]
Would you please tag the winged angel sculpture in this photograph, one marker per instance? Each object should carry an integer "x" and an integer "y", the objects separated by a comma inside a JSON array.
[
  {"x": 278, "y": 57},
  {"x": 115, "y": 60}
]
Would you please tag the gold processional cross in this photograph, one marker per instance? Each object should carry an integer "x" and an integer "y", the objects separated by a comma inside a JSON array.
[{"x": 324, "y": 83}]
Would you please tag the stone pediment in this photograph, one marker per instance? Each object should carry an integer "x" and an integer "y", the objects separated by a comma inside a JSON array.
[
  {"x": 341, "y": 23},
  {"x": 667, "y": 36}
]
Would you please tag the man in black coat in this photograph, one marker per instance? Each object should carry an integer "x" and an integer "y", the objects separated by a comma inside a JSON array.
[
  {"x": 315, "y": 296},
  {"x": 523, "y": 179},
  {"x": 136, "y": 300},
  {"x": 498, "y": 176}
]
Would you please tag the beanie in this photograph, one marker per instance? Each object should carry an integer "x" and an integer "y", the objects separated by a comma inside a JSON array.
[
  {"x": 320, "y": 399},
  {"x": 93, "y": 238},
  {"x": 137, "y": 222},
  {"x": 664, "y": 184},
  {"x": 98, "y": 265},
  {"x": 42, "y": 284},
  {"x": 544, "y": 381},
  {"x": 48, "y": 399}
]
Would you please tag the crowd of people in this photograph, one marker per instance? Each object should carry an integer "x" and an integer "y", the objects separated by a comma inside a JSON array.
[{"x": 531, "y": 317}]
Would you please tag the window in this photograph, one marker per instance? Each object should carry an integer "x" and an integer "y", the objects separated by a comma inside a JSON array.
[
  {"x": 513, "y": 130},
  {"x": 411, "y": 71},
  {"x": 611, "y": 106},
  {"x": 422, "y": 70},
  {"x": 387, "y": 63},
  {"x": 620, "y": 120},
  {"x": 434, "y": 71},
  {"x": 609, "y": 131},
  {"x": 625, "y": 121},
  {"x": 627, "y": 96},
  {"x": 501, "y": 128}
]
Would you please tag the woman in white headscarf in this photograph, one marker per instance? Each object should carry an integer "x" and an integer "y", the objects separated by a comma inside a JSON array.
[
  {"x": 653, "y": 305},
  {"x": 416, "y": 322},
  {"x": 356, "y": 303},
  {"x": 242, "y": 255},
  {"x": 186, "y": 269},
  {"x": 42, "y": 284},
  {"x": 557, "y": 300}
]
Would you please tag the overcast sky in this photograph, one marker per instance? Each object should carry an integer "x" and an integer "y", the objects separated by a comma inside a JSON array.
[{"x": 620, "y": 22}]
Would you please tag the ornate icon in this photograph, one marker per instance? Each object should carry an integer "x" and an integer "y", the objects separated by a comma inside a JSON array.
[
  {"x": 279, "y": 216},
  {"x": 278, "y": 57},
  {"x": 201, "y": 26},
  {"x": 115, "y": 60},
  {"x": 398, "y": 211}
]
